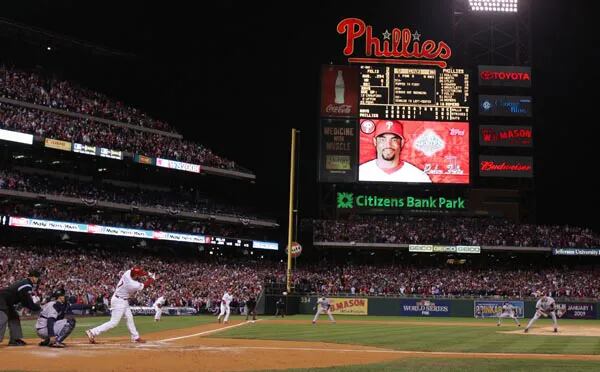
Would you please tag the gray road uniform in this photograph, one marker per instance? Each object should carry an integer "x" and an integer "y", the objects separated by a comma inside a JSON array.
[{"x": 52, "y": 322}]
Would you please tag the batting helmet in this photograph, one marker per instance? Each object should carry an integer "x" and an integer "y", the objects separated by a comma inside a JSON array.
[
  {"x": 59, "y": 292},
  {"x": 137, "y": 271}
]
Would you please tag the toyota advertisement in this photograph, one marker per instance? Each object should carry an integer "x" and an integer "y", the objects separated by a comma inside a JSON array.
[{"x": 505, "y": 76}]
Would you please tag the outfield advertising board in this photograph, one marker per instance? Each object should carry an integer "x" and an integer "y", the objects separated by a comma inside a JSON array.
[
  {"x": 491, "y": 309},
  {"x": 349, "y": 306},
  {"x": 417, "y": 307},
  {"x": 577, "y": 310}
]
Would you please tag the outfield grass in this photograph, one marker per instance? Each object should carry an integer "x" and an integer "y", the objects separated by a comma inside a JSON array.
[
  {"x": 144, "y": 325},
  {"x": 416, "y": 337},
  {"x": 466, "y": 365}
]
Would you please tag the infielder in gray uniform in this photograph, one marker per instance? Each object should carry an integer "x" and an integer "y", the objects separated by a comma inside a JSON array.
[{"x": 51, "y": 325}]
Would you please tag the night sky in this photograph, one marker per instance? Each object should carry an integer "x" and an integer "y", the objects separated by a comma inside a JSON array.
[{"x": 237, "y": 77}]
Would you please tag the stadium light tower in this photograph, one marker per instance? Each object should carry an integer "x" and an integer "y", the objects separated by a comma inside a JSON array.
[
  {"x": 492, "y": 32},
  {"x": 507, "y": 6}
]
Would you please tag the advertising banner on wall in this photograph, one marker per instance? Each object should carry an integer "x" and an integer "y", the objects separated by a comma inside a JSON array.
[
  {"x": 505, "y": 136},
  {"x": 506, "y": 166},
  {"x": 349, "y": 306},
  {"x": 339, "y": 91},
  {"x": 57, "y": 144},
  {"x": 577, "y": 310},
  {"x": 337, "y": 155},
  {"x": 576, "y": 251},
  {"x": 9, "y": 135},
  {"x": 491, "y": 309},
  {"x": 179, "y": 165},
  {"x": 511, "y": 106},
  {"x": 419, "y": 307},
  {"x": 505, "y": 76}
]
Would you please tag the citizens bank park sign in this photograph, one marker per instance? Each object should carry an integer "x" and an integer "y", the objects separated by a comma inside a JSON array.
[
  {"x": 349, "y": 201},
  {"x": 395, "y": 46}
]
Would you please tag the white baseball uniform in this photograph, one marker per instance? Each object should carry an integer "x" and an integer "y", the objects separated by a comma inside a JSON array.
[
  {"x": 323, "y": 306},
  {"x": 544, "y": 306},
  {"x": 119, "y": 306},
  {"x": 508, "y": 311},
  {"x": 407, "y": 172},
  {"x": 225, "y": 310},
  {"x": 158, "y": 304}
]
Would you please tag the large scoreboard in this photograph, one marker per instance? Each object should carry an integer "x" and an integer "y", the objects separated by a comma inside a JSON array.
[
  {"x": 413, "y": 93},
  {"x": 394, "y": 123}
]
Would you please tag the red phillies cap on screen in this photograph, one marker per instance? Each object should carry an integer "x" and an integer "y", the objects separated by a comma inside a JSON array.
[{"x": 389, "y": 126}]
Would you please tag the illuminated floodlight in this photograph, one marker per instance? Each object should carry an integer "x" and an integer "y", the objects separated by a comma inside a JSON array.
[{"x": 497, "y": 6}]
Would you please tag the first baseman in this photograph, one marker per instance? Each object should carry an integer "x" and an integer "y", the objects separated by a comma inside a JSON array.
[{"x": 323, "y": 306}]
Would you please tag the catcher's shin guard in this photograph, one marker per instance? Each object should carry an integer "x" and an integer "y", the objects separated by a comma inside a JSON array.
[{"x": 66, "y": 330}]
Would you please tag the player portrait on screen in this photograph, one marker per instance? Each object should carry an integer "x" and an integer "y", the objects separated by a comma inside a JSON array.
[
  {"x": 413, "y": 151},
  {"x": 388, "y": 140}
]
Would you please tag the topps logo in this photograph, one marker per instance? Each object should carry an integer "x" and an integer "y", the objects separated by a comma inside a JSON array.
[{"x": 457, "y": 132}]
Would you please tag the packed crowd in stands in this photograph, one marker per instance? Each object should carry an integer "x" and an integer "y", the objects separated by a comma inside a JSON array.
[
  {"x": 60, "y": 94},
  {"x": 88, "y": 132},
  {"x": 180, "y": 201},
  {"x": 134, "y": 220},
  {"x": 90, "y": 273},
  {"x": 389, "y": 280},
  {"x": 452, "y": 230}
]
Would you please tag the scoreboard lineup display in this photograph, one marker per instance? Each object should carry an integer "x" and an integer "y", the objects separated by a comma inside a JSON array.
[
  {"x": 427, "y": 107},
  {"x": 413, "y": 93}
]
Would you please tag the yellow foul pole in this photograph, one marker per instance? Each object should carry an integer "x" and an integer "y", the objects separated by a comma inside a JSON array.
[{"x": 291, "y": 210}]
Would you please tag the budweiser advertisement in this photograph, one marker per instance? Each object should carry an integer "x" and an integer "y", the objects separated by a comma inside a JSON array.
[
  {"x": 339, "y": 91},
  {"x": 506, "y": 136},
  {"x": 392, "y": 45},
  {"x": 493, "y": 105},
  {"x": 505, "y": 76},
  {"x": 414, "y": 151},
  {"x": 506, "y": 166}
]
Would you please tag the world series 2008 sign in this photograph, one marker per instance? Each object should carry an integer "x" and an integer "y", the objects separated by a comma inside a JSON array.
[{"x": 424, "y": 307}]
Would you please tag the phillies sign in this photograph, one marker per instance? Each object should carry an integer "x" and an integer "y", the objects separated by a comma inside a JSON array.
[
  {"x": 505, "y": 76},
  {"x": 400, "y": 46}
]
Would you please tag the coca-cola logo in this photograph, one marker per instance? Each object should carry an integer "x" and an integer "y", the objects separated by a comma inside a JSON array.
[
  {"x": 338, "y": 109},
  {"x": 493, "y": 166},
  {"x": 400, "y": 46},
  {"x": 502, "y": 75}
]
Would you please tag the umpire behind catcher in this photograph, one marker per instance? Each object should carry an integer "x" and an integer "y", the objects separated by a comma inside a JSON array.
[{"x": 18, "y": 292}]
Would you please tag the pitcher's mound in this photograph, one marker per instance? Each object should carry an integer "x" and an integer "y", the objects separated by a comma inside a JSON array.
[{"x": 568, "y": 330}]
